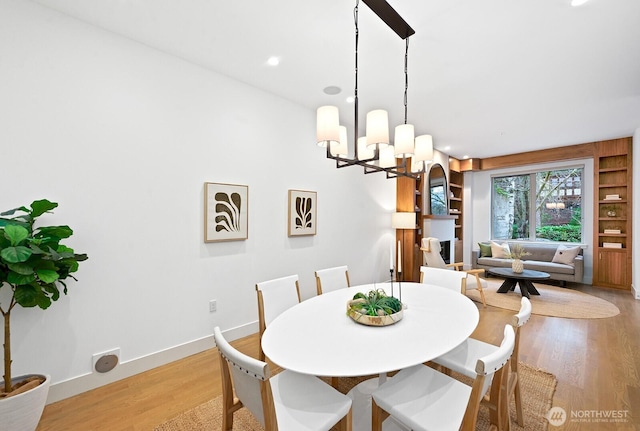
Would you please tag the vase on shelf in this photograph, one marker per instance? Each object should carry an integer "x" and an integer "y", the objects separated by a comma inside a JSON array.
[{"x": 517, "y": 266}]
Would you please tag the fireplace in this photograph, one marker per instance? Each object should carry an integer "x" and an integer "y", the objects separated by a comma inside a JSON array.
[
  {"x": 445, "y": 251},
  {"x": 441, "y": 227}
]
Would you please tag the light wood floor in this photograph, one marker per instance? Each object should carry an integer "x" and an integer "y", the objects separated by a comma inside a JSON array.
[{"x": 596, "y": 362}]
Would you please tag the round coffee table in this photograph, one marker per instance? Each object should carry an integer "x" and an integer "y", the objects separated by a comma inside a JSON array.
[{"x": 523, "y": 279}]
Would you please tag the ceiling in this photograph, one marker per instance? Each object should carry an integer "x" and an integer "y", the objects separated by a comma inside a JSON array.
[{"x": 486, "y": 78}]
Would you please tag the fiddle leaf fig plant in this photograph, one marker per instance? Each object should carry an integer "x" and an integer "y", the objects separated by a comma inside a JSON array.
[{"x": 34, "y": 266}]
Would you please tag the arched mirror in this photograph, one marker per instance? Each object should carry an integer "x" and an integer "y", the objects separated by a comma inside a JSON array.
[{"x": 438, "y": 191}]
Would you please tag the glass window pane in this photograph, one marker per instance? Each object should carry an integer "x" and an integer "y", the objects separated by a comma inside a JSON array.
[
  {"x": 545, "y": 206},
  {"x": 510, "y": 207},
  {"x": 559, "y": 205}
]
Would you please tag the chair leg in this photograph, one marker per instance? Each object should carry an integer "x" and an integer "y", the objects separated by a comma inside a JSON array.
[
  {"x": 518, "y": 398},
  {"x": 227, "y": 421},
  {"x": 335, "y": 381},
  {"x": 378, "y": 416},
  {"x": 498, "y": 401},
  {"x": 484, "y": 302},
  {"x": 346, "y": 423},
  {"x": 230, "y": 406},
  {"x": 481, "y": 290}
]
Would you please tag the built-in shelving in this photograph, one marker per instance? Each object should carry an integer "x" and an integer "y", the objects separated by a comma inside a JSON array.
[
  {"x": 613, "y": 197},
  {"x": 456, "y": 187}
]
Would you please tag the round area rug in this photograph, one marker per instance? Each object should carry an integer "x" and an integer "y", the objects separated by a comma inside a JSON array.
[{"x": 553, "y": 301}]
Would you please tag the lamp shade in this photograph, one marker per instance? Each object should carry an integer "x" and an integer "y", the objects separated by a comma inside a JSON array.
[
  {"x": 403, "y": 140},
  {"x": 327, "y": 125},
  {"x": 377, "y": 128},
  {"x": 364, "y": 152},
  {"x": 424, "y": 148},
  {"x": 341, "y": 148},
  {"x": 403, "y": 220},
  {"x": 387, "y": 157}
]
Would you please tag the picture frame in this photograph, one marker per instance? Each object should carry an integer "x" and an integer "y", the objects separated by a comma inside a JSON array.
[
  {"x": 302, "y": 214},
  {"x": 226, "y": 212}
]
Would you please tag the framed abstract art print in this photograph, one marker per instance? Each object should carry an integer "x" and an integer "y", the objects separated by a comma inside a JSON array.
[
  {"x": 226, "y": 212},
  {"x": 302, "y": 213}
]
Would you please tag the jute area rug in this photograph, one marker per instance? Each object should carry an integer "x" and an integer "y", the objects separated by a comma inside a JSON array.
[
  {"x": 553, "y": 301},
  {"x": 537, "y": 389}
]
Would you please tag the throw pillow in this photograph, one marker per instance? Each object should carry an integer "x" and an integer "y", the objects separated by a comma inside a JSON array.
[
  {"x": 485, "y": 249},
  {"x": 500, "y": 251},
  {"x": 566, "y": 254}
]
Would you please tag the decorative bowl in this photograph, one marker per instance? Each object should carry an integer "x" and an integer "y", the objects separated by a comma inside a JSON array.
[{"x": 365, "y": 319}]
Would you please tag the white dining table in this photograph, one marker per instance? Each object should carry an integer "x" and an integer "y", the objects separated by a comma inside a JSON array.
[{"x": 317, "y": 337}]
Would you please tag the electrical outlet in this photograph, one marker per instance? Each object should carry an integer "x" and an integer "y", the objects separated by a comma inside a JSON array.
[{"x": 213, "y": 306}]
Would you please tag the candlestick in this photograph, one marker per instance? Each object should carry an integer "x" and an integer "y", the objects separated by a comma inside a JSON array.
[
  {"x": 399, "y": 258},
  {"x": 391, "y": 255},
  {"x": 391, "y": 279}
]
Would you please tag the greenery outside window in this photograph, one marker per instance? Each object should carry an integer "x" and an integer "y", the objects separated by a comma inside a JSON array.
[{"x": 541, "y": 206}]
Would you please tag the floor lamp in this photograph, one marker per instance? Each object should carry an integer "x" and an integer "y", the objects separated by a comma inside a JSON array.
[{"x": 402, "y": 220}]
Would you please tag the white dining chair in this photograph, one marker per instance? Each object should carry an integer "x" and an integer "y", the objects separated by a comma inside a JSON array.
[
  {"x": 454, "y": 280},
  {"x": 457, "y": 280},
  {"x": 424, "y": 399},
  {"x": 462, "y": 359},
  {"x": 331, "y": 279},
  {"x": 433, "y": 259},
  {"x": 274, "y": 297},
  {"x": 287, "y": 401}
]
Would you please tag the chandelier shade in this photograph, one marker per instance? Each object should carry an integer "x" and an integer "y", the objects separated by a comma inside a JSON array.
[
  {"x": 404, "y": 140},
  {"x": 327, "y": 126},
  {"x": 387, "y": 158},
  {"x": 364, "y": 152},
  {"x": 423, "y": 148},
  {"x": 377, "y": 128},
  {"x": 341, "y": 148}
]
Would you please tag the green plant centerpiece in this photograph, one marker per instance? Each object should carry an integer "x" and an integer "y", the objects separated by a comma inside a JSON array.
[
  {"x": 374, "y": 308},
  {"x": 34, "y": 265}
]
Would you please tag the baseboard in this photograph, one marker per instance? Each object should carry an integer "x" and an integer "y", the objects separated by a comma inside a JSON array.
[
  {"x": 635, "y": 291},
  {"x": 77, "y": 385}
]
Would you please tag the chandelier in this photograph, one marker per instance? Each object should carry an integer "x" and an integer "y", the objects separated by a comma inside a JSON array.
[{"x": 408, "y": 155}]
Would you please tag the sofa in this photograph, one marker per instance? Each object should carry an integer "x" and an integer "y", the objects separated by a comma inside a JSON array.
[{"x": 563, "y": 263}]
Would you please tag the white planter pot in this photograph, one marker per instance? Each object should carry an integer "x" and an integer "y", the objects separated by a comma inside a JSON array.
[{"x": 22, "y": 412}]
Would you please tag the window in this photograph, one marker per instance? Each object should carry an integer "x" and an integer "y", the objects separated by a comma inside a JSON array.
[
  {"x": 438, "y": 200},
  {"x": 543, "y": 206}
]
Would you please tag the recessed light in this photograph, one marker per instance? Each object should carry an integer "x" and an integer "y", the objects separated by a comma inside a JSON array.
[
  {"x": 578, "y": 2},
  {"x": 351, "y": 99},
  {"x": 332, "y": 90},
  {"x": 273, "y": 61}
]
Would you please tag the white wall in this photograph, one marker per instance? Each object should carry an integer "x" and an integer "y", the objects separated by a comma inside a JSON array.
[
  {"x": 123, "y": 137},
  {"x": 477, "y": 210}
]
